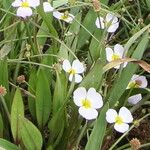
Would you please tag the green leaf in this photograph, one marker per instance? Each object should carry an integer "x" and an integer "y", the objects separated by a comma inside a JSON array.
[
  {"x": 93, "y": 78},
  {"x": 98, "y": 132},
  {"x": 59, "y": 97},
  {"x": 58, "y": 3},
  {"x": 17, "y": 111},
  {"x": 56, "y": 124},
  {"x": 4, "y": 144},
  {"x": 89, "y": 24},
  {"x": 4, "y": 80},
  {"x": 32, "y": 89},
  {"x": 127, "y": 73},
  {"x": 31, "y": 136},
  {"x": 43, "y": 98}
]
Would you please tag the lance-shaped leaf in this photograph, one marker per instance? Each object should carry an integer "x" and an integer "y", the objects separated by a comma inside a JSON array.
[
  {"x": 98, "y": 132},
  {"x": 5, "y": 145},
  {"x": 43, "y": 98},
  {"x": 93, "y": 78},
  {"x": 31, "y": 136},
  {"x": 17, "y": 111}
]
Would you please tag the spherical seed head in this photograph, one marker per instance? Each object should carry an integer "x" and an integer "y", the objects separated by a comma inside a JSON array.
[
  {"x": 21, "y": 79},
  {"x": 3, "y": 91},
  {"x": 135, "y": 144},
  {"x": 96, "y": 5}
]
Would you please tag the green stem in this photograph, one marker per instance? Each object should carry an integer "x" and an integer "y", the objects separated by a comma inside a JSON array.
[
  {"x": 81, "y": 135},
  {"x": 5, "y": 107}
]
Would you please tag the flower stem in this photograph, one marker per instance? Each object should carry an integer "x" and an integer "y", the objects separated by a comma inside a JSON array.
[
  {"x": 5, "y": 107},
  {"x": 80, "y": 136}
]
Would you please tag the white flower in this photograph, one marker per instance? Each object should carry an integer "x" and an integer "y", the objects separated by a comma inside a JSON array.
[
  {"x": 110, "y": 22},
  {"x": 137, "y": 82},
  {"x": 74, "y": 70},
  {"x": 67, "y": 17},
  {"x": 88, "y": 101},
  {"x": 115, "y": 54},
  {"x": 120, "y": 119},
  {"x": 134, "y": 99},
  {"x": 24, "y": 7},
  {"x": 47, "y": 7}
]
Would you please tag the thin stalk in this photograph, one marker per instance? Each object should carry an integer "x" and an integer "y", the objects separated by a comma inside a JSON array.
[
  {"x": 81, "y": 135},
  {"x": 5, "y": 107}
]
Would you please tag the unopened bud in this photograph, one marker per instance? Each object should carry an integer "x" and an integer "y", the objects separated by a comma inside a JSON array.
[{"x": 21, "y": 79}]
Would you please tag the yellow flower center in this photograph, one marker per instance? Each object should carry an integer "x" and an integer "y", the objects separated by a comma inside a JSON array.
[
  {"x": 115, "y": 57},
  {"x": 118, "y": 120},
  {"x": 25, "y": 4},
  {"x": 86, "y": 103},
  {"x": 135, "y": 84},
  {"x": 72, "y": 71},
  {"x": 65, "y": 16}
]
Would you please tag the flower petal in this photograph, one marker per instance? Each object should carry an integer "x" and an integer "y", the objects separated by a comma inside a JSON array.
[
  {"x": 47, "y": 7},
  {"x": 34, "y": 3},
  {"x": 109, "y": 54},
  {"x": 119, "y": 50},
  {"x": 78, "y": 78},
  {"x": 126, "y": 115},
  {"x": 78, "y": 66},
  {"x": 134, "y": 99},
  {"x": 111, "y": 18},
  {"x": 66, "y": 65},
  {"x": 121, "y": 127},
  {"x": 69, "y": 19},
  {"x": 143, "y": 80},
  {"x": 24, "y": 12},
  {"x": 88, "y": 114},
  {"x": 111, "y": 115},
  {"x": 78, "y": 95},
  {"x": 100, "y": 23},
  {"x": 113, "y": 27},
  {"x": 17, "y": 3},
  {"x": 57, "y": 14},
  {"x": 95, "y": 98}
]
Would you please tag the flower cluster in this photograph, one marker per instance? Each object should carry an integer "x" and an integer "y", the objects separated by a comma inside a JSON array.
[{"x": 25, "y": 9}]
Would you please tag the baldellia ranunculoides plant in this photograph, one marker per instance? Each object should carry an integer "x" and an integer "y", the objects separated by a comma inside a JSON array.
[{"x": 74, "y": 75}]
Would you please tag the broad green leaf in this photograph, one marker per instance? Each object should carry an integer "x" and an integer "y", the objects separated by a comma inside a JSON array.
[
  {"x": 17, "y": 111},
  {"x": 58, "y": 3},
  {"x": 98, "y": 132},
  {"x": 94, "y": 77},
  {"x": 89, "y": 24},
  {"x": 119, "y": 86},
  {"x": 59, "y": 97},
  {"x": 32, "y": 89},
  {"x": 4, "y": 144},
  {"x": 56, "y": 124},
  {"x": 95, "y": 46},
  {"x": 148, "y": 4},
  {"x": 43, "y": 98},
  {"x": 4, "y": 80},
  {"x": 31, "y": 136},
  {"x": 4, "y": 51}
]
